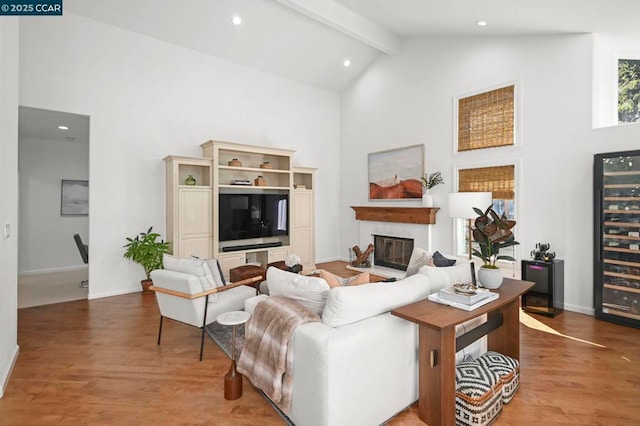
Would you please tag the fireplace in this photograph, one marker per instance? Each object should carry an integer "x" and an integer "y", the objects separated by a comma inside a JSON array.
[{"x": 392, "y": 252}]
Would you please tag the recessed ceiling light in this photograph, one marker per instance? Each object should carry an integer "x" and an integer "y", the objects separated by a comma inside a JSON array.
[
  {"x": 481, "y": 23},
  {"x": 236, "y": 20},
  {"x": 346, "y": 62},
  {"x": 63, "y": 128}
]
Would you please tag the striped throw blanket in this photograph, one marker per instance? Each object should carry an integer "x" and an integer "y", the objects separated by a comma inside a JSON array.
[{"x": 266, "y": 357}]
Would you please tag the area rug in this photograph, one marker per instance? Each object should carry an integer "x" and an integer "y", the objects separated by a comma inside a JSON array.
[{"x": 222, "y": 336}]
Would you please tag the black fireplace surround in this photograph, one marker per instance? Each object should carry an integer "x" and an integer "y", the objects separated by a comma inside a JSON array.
[{"x": 392, "y": 252}]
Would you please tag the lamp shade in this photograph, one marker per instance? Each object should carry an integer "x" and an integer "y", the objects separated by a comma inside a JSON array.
[{"x": 461, "y": 204}]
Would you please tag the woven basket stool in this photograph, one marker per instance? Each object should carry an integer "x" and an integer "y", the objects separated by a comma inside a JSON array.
[
  {"x": 478, "y": 394},
  {"x": 507, "y": 368}
]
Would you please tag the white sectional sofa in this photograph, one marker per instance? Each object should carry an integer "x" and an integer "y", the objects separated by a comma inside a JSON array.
[{"x": 359, "y": 365}]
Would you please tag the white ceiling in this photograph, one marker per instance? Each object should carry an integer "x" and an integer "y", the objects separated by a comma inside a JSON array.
[
  {"x": 34, "y": 123},
  {"x": 308, "y": 40}
]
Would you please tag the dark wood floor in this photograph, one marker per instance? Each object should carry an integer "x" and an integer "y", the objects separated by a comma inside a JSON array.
[{"x": 96, "y": 362}]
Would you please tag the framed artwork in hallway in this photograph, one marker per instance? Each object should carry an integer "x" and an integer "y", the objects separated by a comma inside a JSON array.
[{"x": 74, "y": 198}]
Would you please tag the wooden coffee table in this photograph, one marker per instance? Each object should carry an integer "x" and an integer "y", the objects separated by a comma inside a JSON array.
[{"x": 438, "y": 344}]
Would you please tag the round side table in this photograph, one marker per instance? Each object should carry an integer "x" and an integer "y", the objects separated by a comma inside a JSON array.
[{"x": 233, "y": 379}]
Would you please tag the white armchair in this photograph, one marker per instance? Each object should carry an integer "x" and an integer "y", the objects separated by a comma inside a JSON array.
[{"x": 181, "y": 298}]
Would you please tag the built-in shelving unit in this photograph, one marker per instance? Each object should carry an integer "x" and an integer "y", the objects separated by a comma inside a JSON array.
[
  {"x": 264, "y": 170},
  {"x": 189, "y": 207},
  {"x": 303, "y": 206},
  {"x": 232, "y": 169}
]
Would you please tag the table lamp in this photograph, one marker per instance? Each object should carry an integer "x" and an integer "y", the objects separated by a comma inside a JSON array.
[{"x": 461, "y": 205}]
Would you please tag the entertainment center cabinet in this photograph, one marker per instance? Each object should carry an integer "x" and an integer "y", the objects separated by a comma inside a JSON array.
[{"x": 254, "y": 193}]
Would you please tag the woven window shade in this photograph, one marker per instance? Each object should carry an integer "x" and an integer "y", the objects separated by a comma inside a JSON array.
[
  {"x": 486, "y": 120},
  {"x": 498, "y": 180}
]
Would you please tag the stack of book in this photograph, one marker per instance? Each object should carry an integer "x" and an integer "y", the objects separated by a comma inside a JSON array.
[{"x": 463, "y": 300}]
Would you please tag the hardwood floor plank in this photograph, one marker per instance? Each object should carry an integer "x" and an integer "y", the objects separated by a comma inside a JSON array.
[{"x": 95, "y": 362}]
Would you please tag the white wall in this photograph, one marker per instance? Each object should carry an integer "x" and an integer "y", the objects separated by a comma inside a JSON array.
[
  {"x": 9, "y": 197},
  {"x": 46, "y": 237},
  {"x": 147, "y": 99},
  {"x": 408, "y": 98}
]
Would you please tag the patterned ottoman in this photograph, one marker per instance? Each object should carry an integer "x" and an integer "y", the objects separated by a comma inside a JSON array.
[
  {"x": 478, "y": 394},
  {"x": 507, "y": 368}
]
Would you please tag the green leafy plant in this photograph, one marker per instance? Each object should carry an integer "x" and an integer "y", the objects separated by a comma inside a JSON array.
[
  {"x": 146, "y": 250},
  {"x": 492, "y": 232},
  {"x": 432, "y": 180}
]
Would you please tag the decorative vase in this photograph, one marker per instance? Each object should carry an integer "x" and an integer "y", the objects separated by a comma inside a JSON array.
[
  {"x": 296, "y": 269},
  {"x": 427, "y": 199},
  {"x": 190, "y": 180},
  {"x": 489, "y": 277}
]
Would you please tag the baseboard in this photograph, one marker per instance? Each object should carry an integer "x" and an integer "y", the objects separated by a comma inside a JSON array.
[
  {"x": 91, "y": 295},
  {"x": 4, "y": 380},
  {"x": 50, "y": 270},
  {"x": 580, "y": 309}
]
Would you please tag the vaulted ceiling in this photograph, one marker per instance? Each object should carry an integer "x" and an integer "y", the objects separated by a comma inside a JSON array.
[{"x": 309, "y": 40}]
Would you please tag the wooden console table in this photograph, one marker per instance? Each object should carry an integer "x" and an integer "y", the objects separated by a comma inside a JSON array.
[{"x": 438, "y": 344}]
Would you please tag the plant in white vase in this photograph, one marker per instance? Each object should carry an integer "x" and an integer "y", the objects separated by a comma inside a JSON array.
[
  {"x": 492, "y": 232},
  {"x": 428, "y": 182}
]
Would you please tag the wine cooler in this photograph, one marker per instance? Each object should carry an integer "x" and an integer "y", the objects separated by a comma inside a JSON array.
[{"x": 617, "y": 237}]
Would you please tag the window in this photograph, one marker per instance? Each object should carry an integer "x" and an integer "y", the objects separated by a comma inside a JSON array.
[
  {"x": 486, "y": 120},
  {"x": 500, "y": 181},
  {"x": 628, "y": 90}
]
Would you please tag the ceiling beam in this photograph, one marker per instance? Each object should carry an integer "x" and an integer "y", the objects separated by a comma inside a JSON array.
[{"x": 347, "y": 22}]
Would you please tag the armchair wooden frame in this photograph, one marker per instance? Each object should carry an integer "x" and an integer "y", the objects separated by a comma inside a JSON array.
[{"x": 205, "y": 294}]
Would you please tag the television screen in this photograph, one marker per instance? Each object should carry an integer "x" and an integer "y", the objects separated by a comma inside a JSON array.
[{"x": 245, "y": 216}]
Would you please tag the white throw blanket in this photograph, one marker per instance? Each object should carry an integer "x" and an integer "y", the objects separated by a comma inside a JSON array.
[{"x": 266, "y": 358}]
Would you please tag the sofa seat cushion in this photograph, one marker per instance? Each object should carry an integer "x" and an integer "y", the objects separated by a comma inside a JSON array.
[
  {"x": 311, "y": 292},
  {"x": 507, "y": 368},
  {"x": 478, "y": 394},
  {"x": 349, "y": 304}
]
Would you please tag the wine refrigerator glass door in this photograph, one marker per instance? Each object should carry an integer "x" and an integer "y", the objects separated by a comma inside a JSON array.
[{"x": 617, "y": 265}]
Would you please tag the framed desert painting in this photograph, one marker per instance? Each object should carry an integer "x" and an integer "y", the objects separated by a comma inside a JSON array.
[{"x": 396, "y": 174}]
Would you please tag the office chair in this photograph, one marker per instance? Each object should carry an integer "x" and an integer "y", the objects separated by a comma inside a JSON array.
[{"x": 84, "y": 253}]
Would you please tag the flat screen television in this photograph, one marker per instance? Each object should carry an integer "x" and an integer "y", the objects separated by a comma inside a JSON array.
[{"x": 249, "y": 216}]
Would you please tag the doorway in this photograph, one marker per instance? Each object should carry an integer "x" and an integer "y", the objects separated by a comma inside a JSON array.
[{"x": 53, "y": 192}]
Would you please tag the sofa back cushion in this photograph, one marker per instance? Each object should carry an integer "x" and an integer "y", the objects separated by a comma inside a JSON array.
[
  {"x": 346, "y": 305},
  {"x": 441, "y": 277},
  {"x": 311, "y": 292}
]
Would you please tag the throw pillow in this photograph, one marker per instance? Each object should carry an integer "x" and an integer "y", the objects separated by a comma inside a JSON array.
[
  {"x": 440, "y": 261},
  {"x": 310, "y": 292},
  {"x": 193, "y": 266},
  {"x": 418, "y": 259},
  {"x": 336, "y": 281},
  {"x": 346, "y": 305},
  {"x": 216, "y": 272}
]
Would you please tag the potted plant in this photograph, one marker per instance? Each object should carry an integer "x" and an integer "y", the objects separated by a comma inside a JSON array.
[
  {"x": 492, "y": 232},
  {"x": 293, "y": 263},
  {"x": 146, "y": 250},
  {"x": 428, "y": 182}
]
